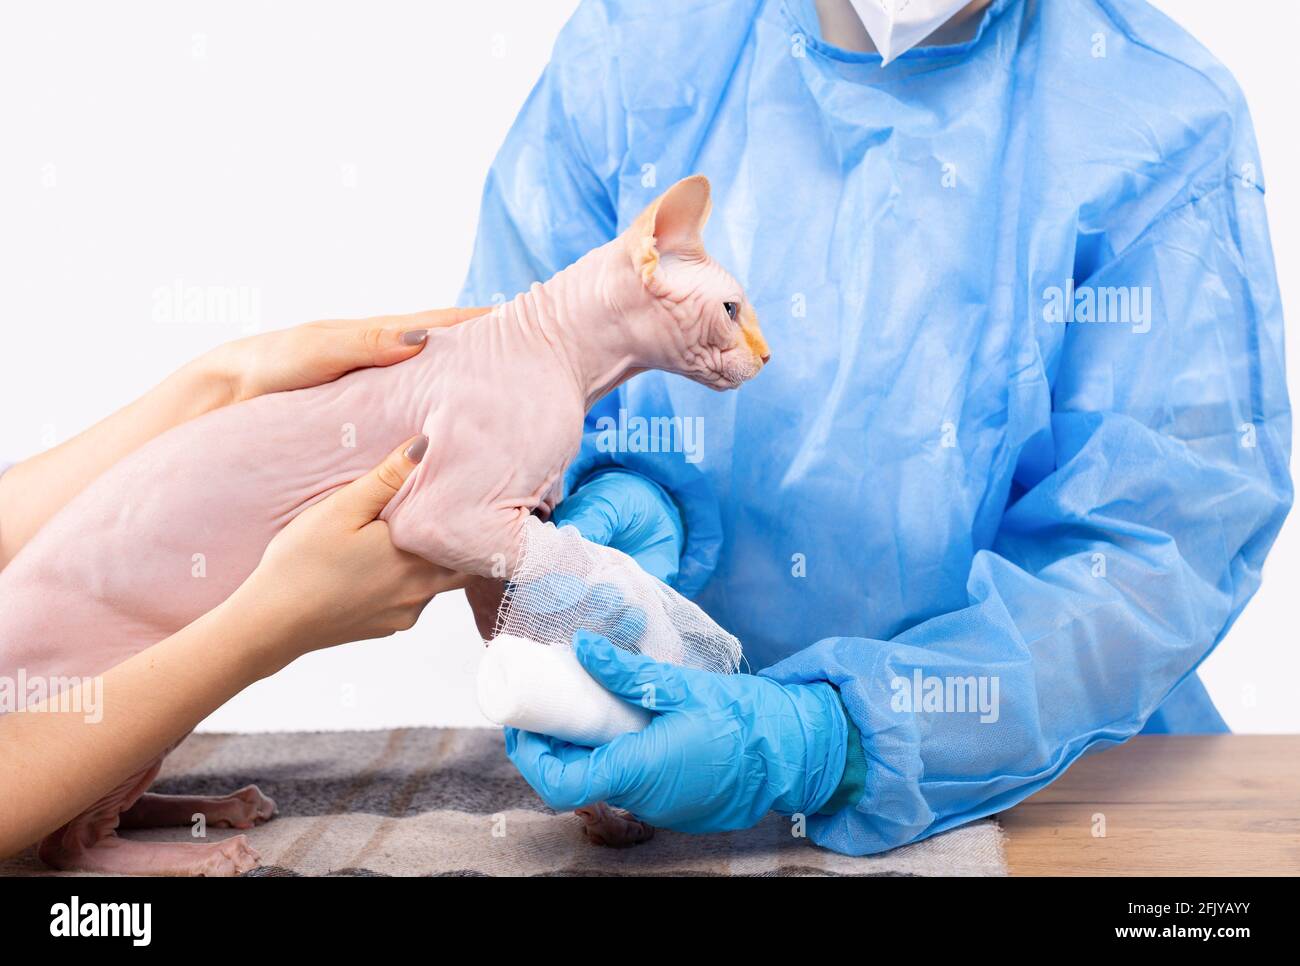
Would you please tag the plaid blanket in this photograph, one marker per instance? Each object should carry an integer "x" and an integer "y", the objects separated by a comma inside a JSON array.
[{"x": 435, "y": 801}]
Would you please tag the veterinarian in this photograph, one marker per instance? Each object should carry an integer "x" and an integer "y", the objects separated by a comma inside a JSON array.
[
  {"x": 331, "y": 576},
  {"x": 1023, "y": 444}
]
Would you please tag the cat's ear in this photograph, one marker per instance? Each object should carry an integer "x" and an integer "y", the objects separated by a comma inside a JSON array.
[{"x": 673, "y": 224}]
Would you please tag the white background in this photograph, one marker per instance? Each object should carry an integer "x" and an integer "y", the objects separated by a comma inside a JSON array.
[{"x": 326, "y": 160}]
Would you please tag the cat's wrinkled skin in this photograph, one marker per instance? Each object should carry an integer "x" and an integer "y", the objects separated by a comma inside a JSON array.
[{"x": 173, "y": 529}]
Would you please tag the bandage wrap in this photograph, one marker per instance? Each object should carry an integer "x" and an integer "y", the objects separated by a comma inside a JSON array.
[
  {"x": 543, "y": 688},
  {"x": 563, "y": 584}
]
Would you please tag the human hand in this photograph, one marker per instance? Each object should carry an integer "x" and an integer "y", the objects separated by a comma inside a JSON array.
[
  {"x": 320, "y": 352},
  {"x": 308, "y": 355},
  {"x": 721, "y": 752},
  {"x": 626, "y": 511},
  {"x": 333, "y": 575}
]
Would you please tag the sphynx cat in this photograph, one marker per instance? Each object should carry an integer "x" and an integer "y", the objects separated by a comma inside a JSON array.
[{"x": 170, "y": 531}]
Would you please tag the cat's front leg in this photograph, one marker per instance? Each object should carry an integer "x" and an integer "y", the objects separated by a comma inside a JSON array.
[{"x": 485, "y": 596}]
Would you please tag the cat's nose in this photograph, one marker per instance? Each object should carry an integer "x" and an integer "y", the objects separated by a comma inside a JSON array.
[{"x": 764, "y": 357}]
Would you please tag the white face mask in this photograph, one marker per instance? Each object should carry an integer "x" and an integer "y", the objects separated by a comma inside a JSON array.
[{"x": 899, "y": 25}]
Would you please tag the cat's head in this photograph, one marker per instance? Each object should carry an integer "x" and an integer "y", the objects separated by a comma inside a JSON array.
[{"x": 709, "y": 330}]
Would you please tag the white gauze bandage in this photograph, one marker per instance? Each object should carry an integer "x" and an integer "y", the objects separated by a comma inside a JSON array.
[
  {"x": 543, "y": 688},
  {"x": 563, "y": 584}
]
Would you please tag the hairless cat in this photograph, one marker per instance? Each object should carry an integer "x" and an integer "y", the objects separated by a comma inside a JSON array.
[{"x": 173, "y": 529}]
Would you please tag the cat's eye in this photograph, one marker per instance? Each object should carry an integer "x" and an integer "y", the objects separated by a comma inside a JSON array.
[{"x": 732, "y": 308}]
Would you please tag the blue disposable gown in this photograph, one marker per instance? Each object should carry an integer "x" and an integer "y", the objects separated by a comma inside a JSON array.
[{"x": 951, "y": 466}]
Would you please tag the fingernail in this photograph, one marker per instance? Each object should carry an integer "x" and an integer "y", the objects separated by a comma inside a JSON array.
[
  {"x": 415, "y": 452},
  {"x": 415, "y": 336}
]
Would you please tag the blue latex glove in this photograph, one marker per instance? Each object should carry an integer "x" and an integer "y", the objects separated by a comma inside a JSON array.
[
  {"x": 722, "y": 751},
  {"x": 628, "y": 512}
]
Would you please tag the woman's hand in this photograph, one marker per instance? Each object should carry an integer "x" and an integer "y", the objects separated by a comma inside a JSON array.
[
  {"x": 307, "y": 355},
  {"x": 333, "y": 575},
  {"x": 320, "y": 352}
]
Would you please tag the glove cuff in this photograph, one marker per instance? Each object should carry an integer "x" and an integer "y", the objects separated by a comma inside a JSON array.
[
  {"x": 854, "y": 782},
  {"x": 825, "y": 727}
]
